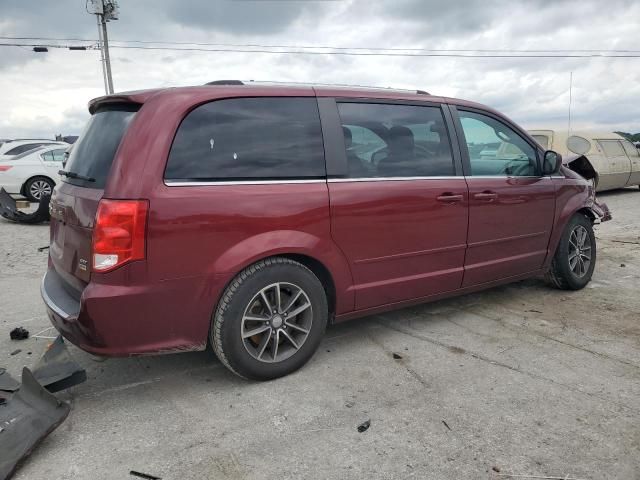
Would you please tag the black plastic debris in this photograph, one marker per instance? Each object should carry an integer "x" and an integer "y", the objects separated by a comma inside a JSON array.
[
  {"x": 27, "y": 417},
  {"x": 56, "y": 370},
  {"x": 364, "y": 426},
  {"x": 16, "y": 351},
  {"x": 143, "y": 475},
  {"x": 397, "y": 356},
  {"x": 19, "y": 333},
  {"x": 30, "y": 412},
  {"x": 9, "y": 210},
  {"x": 446, "y": 424},
  {"x": 7, "y": 382},
  {"x": 42, "y": 249}
]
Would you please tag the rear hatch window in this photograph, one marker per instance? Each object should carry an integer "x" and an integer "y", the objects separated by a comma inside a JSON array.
[{"x": 93, "y": 153}]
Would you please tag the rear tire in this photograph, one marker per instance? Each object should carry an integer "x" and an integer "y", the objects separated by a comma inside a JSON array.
[
  {"x": 575, "y": 257},
  {"x": 270, "y": 319},
  {"x": 38, "y": 186}
]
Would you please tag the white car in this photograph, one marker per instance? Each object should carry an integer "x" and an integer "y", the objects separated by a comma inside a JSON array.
[{"x": 33, "y": 172}]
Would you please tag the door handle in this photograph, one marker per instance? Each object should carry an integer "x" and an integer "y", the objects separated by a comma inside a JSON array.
[
  {"x": 487, "y": 196},
  {"x": 450, "y": 198}
]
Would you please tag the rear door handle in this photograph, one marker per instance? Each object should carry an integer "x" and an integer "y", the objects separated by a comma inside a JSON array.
[
  {"x": 450, "y": 198},
  {"x": 486, "y": 196}
]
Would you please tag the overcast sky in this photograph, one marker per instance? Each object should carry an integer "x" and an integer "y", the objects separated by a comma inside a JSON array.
[{"x": 47, "y": 93}]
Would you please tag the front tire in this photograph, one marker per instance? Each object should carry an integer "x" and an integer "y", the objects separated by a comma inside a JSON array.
[
  {"x": 36, "y": 187},
  {"x": 575, "y": 257},
  {"x": 270, "y": 319}
]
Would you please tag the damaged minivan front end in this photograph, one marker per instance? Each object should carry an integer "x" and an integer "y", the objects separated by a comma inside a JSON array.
[{"x": 579, "y": 166}]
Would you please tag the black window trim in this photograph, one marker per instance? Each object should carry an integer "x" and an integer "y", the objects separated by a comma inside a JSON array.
[
  {"x": 462, "y": 142},
  {"x": 336, "y": 154},
  {"x": 242, "y": 181}
]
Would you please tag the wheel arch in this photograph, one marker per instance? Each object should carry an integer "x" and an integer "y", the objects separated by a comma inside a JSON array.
[{"x": 318, "y": 254}]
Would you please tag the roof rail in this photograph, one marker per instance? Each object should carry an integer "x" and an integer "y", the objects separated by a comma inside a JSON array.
[
  {"x": 225, "y": 82},
  {"x": 310, "y": 84}
]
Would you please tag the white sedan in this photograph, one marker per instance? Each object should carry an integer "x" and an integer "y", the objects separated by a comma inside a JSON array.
[{"x": 33, "y": 173}]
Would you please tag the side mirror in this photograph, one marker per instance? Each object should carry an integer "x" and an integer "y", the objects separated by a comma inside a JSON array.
[{"x": 551, "y": 163}]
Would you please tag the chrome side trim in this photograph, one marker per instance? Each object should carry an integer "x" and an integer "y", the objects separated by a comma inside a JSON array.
[
  {"x": 392, "y": 179},
  {"x": 49, "y": 302},
  {"x": 195, "y": 183},
  {"x": 480, "y": 177}
]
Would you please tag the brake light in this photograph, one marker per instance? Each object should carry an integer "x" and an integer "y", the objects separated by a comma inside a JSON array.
[
  {"x": 119, "y": 234},
  {"x": 4, "y": 168}
]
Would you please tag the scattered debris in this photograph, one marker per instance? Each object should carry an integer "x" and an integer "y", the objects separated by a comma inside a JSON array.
[
  {"x": 9, "y": 210},
  {"x": 397, "y": 356},
  {"x": 457, "y": 350},
  {"x": 143, "y": 475},
  {"x": 56, "y": 370},
  {"x": 7, "y": 382},
  {"x": 364, "y": 426},
  {"x": 15, "y": 352},
  {"x": 28, "y": 416},
  {"x": 19, "y": 333},
  {"x": 534, "y": 311},
  {"x": 622, "y": 265},
  {"x": 30, "y": 412},
  {"x": 446, "y": 424},
  {"x": 42, "y": 249},
  {"x": 496, "y": 469}
]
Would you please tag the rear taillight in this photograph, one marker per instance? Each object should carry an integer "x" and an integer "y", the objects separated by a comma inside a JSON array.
[
  {"x": 4, "y": 168},
  {"x": 119, "y": 234}
]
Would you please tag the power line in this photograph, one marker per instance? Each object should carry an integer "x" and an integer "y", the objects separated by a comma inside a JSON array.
[
  {"x": 326, "y": 47},
  {"x": 470, "y": 54}
]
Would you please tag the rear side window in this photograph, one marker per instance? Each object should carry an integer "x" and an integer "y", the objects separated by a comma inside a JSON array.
[
  {"x": 612, "y": 148},
  {"x": 249, "y": 139},
  {"x": 93, "y": 152},
  {"x": 54, "y": 155},
  {"x": 391, "y": 141}
]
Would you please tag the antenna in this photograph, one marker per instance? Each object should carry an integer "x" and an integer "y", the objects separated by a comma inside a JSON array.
[{"x": 570, "y": 92}]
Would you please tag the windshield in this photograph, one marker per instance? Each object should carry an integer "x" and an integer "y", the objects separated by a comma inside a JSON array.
[{"x": 93, "y": 153}]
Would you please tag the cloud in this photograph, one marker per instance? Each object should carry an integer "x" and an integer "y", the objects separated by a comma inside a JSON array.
[{"x": 48, "y": 93}]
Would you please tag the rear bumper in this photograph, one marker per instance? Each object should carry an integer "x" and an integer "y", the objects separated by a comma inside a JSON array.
[{"x": 116, "y": 320}]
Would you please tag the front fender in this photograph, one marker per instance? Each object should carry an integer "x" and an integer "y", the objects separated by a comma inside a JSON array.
[
  {"x": 282, "y": 242},
  {"x": 573, "y": 196}
]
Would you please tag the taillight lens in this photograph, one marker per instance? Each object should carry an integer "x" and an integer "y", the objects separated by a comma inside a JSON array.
[
  {"x": 4, "y": 168},
  {"x": 119, "y": 234}
]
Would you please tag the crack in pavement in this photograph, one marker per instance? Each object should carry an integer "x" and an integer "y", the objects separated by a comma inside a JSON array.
[
  {"x": 418, "y": 336},
  {"x": 553, "y": 339}
]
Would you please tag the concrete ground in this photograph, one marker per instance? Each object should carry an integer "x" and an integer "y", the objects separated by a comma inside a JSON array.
[{"x": 521, "y": 380}]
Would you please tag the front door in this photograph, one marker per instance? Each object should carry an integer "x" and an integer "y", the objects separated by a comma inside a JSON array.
[
  {"x": 511, "y": 206},
  {"x": 400, "y": 213}
]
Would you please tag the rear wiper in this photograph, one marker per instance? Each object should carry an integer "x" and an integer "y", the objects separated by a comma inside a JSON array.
[{"x": 76, "y": 175}]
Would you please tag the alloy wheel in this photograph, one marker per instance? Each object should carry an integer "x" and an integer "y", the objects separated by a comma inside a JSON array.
[
  {"x": 276, "y": 322},
  {"x": 579, "y": 251},
  {"x": 39, "y": 188}
]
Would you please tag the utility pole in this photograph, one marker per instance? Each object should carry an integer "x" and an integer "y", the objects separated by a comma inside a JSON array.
[{"x": 104, "y": 10}]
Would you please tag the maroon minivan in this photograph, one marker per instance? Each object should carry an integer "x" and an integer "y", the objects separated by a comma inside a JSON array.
[{"x": 248, "y": 217}]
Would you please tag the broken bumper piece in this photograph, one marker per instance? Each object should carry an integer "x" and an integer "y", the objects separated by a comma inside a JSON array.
[
  {"x": 29, "y": 411},
  {"x": 26, "y": 418},
  {"x": 9, "y": 210}
]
